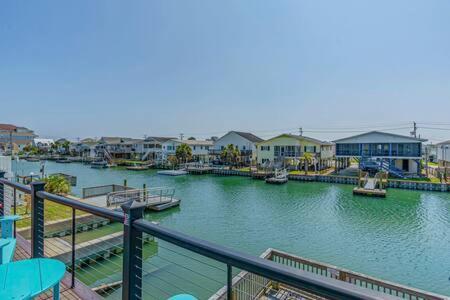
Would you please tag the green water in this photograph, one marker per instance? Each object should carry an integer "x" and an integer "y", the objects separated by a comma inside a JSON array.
[{"x": 404, "y": 238}]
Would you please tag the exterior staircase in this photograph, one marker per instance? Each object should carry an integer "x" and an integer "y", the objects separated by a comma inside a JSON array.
[
  {"x": 107, "y": 156},
  {"x": 366, "y": 163}
]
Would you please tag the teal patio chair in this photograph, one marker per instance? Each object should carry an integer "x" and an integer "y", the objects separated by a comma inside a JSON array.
[{"x": 7, "y": 241}]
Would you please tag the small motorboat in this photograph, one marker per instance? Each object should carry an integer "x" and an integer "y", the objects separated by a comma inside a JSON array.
[
  {"x": 280, "y": 177},
  {"x": 137, "y": 167},
  {"x": 101, "y": 164},
  {"x": 32, "y": 159},
  {"x": 63, "y": 161}
]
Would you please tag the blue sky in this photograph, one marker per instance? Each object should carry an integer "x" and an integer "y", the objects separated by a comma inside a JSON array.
[{"x": 92, "y": 68}]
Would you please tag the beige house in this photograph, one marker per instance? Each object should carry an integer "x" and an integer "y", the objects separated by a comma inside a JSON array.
[{"x": 288, "y": 150}]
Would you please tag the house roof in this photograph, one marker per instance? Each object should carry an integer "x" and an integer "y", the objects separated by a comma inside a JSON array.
[
  {"x": 8, "y": 127},
  {"x": 444, "y": 143},
  {"x": 301, "y": 137},
  {"x": 194, "y": 142},
  {"x": 246, "y": 135},
  {"x": 159, "y": 139},
  {"x": 117, "y": 140},
  {"x": 43, "y": 141},
  {"x": 387, "y": 135}
]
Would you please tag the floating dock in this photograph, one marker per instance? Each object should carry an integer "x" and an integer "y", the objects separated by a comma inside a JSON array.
[
  {"x": 172, "y": 172},
  {"x": 371, "y": 186}
]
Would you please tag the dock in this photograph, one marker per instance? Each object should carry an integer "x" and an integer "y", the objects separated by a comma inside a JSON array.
[
  {"x": 173, "y": 172},
  {"x": 371, "y": 186},
  {"x": 198, "y": 168},
  {"x": 262, "y": 175}
]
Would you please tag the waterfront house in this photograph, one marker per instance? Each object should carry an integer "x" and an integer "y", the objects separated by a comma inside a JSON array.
[
  {"x": 151, "y": 148},
  {"x": 443, "y": 155},
  {"x": 398, "y": 154},
  {"x": 84, "y": 148},
  {"x": 14, "y": 138},
  {"x": 116, "y": 148},
  {"x": 288, "y": 150},
  {"x": 429, "y": 152},
  {"x": 244, "y": 141},
  {"x": 43, "y": 144},
  {"x": 200, "y": 149}
]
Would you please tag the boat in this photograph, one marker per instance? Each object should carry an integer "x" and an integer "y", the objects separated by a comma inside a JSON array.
[
  {"x": 280, "y": 177},
  {"x": 63, "y": 161},
  {"x": 101, "y": 164},
  {"x": 137, "y": 167},
  {"x": 32, "y": 159}
]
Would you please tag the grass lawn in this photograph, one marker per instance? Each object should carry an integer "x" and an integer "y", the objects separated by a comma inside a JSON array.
[
  {"x": 246, "y": 169},
  {"x": 298, "y": 172},
  {"x": 52, "y": 212}
]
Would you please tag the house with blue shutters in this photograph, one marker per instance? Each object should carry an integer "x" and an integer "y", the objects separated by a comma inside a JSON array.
[{"x": 380, "y": 151}]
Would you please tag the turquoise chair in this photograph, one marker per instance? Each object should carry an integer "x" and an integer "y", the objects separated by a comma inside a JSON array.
[
  {"x": 183, "y": 297},
  {"x": 7, "y": 241}
]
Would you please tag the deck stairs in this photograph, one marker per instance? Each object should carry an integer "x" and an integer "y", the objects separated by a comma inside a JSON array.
[
  {"x": 107, "y": 156},
  {"x": 146, "y": 155}
]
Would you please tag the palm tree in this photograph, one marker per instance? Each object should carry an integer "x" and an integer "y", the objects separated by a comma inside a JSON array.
[
  {"x": 307, "y": 158},
  {"x": 231, "y": 154},
  {"x": 173, "y": 161},
  {"x": 57, "y": 184},
  {"x": 184, "y": 153}
]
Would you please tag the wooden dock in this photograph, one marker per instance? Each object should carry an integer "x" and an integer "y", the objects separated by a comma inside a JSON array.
[{"x": 374, "y": 187}]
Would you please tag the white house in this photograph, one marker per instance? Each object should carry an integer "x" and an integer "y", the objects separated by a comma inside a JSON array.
[
  {"x": 200, "y": 149},
  {"x": 85, "y": 148},
  {"x": 244, "y": 141},
  {"x": 44, "y": 144},
  {"x": 443, "y": 153},
  {"x": 151, "y": 148}
]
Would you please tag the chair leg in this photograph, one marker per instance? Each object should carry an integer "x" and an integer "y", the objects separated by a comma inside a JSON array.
[{"x": 56, "y": 291}]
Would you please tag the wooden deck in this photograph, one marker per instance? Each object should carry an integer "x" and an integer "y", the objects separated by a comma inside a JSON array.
[{"x": 80, "y": 291}]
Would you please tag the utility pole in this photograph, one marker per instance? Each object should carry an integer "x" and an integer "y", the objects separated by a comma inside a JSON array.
[{"x": 414, "y": 132}]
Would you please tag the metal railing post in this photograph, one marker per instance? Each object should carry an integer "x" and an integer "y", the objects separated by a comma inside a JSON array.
[
  {"x": 74, "y": 231},
  {"x": 37, "y": 220},
  {"x": 132, "y": 252},
  {"x": 2, "y": 194},
  {"x": 229, "y": 282}
]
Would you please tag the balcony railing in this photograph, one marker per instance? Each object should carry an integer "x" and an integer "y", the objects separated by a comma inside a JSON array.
[{"x": 177, "y": 263}]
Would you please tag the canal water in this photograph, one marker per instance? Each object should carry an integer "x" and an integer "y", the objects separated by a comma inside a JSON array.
[{"x": 404, "y": 238}]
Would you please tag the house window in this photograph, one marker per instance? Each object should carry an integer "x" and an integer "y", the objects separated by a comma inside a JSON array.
[
  {"x": 243, "y": 147},
  {"x": 222, "y": 147},
  {"x": 265, "y": 148},
  {"x": 310, "y": 149}
]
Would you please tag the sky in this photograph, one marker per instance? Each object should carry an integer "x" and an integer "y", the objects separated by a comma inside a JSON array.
[{"x": 86, "y": 68}]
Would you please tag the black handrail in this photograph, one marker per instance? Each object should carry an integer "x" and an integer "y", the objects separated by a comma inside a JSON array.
[
  {"x": 89, "y": 208},
  {"x": 21, "y": 187},
  {"x": 325, "y": 287}
]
